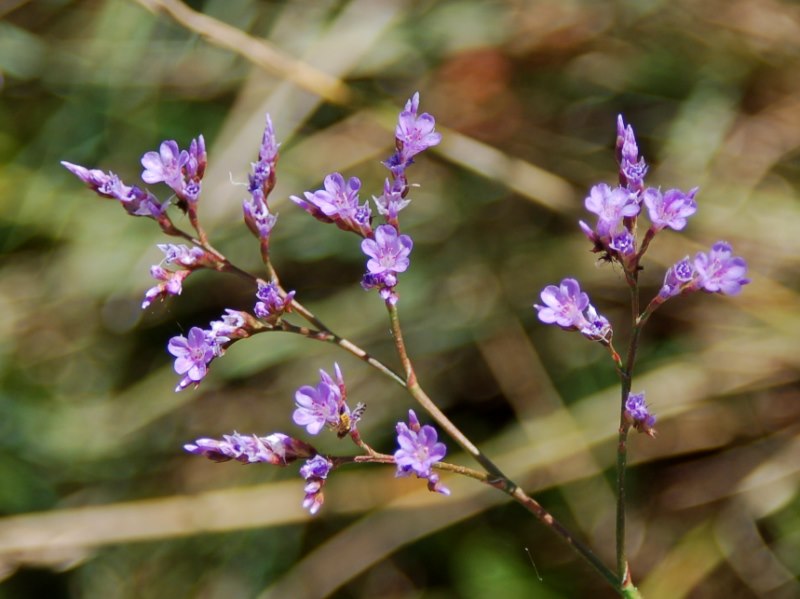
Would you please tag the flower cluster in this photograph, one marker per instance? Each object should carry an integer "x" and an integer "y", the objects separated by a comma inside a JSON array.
[
  {"x": 716, "y": 271},
  {"x": 614, "y": 234},
  {"x": 194, "y": 352},
  {"x": 271, "y": 302},
  {"x": 276, "y": 449},
  {"x": 617, "y": 209},
  {"x": 261, "y": 181},
  {"x": 171, "y": 281},
  {"x": 338, "y": 203},
  {"x": 135, "y": 201},
  {"x": 319, "y": 407}
]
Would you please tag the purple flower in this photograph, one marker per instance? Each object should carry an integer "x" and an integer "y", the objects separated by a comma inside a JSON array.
[
  {"x": 317, "y": 467},
  {"x": 568, "y": 307},
  {"x": 392, "y": 201},
  {"x": 670, "y": 209},
  {"x": 624, "y": 244},
  {"x": 564, "y": 305},
  {"x": 638, "y": 415},
  {"x": 388, "y": 255},
  {"x": 388, "y": 252},
  {"x": 179, "y": 169},
  {"x": 413, "y": 133},
  {"x": 232, "y": 326},
  {"x": 261, "y": 181},
  {"x": 257, "y": 216},
  {"x": 594, "y": 326},
  {"x": 198, "y": 159},
  {"x": 611, "y": 206},
  {"x": 165, "y": 165},
  {"x": 315, "y": 471},
  {"x": 677, "y": 277},
  {"x": 338, "y": 203},
  {"x": 171, "y": 284},
  {"x": 182, "y": 255},
  {"x": 719, "y": 271},
  {"x": 632, "y": 168},
  {"x": 323, "y": 405},
  {"x": 419, "y": 451},
  {"x": 107, "y": 185},
  {"x": 276, "y": 449},
  {"x": 192, "y": 355},
  {"x": 272, "y": 303},
  {"x": 268, "y": 152}
]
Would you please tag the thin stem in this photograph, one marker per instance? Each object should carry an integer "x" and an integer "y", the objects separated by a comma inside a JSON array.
[
  {"x": 350, "y": 347},
  {"x": 626, "y": 379}
]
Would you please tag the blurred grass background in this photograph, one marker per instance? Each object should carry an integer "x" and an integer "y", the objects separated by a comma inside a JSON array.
[{"x": 99, "y": 500}]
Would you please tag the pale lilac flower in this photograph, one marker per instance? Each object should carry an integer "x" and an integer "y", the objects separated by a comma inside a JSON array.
[
  {"x": 414, "y": 133},
  {"x": 257, "y": 216},
  {"x": 317, "y": 466},
  {"x": 143, "y": 203},
  {"x": 192, "y": 355},
  {"x": 670, "y": 209},
  {"x": 271, "y": 303},
  {"x": 165, "y": 165},
  {"x": 624, "y": 244},
  {"x": 276, "y": 449},
  {"x": 171, "y": 284},
  {"x": 177, "y": 253},
  {"x": 569, "y": 308},
  {"x": 268, "y": 152},
  {"x": 338, "y": 203},
  {"x": 419, "y": 450},
  {"x": 594, "y": 326},
  {"x": 198, "y": 159},
  {"x": 136, "y": 201},
  {"x": 611, "y": 206},
  {"x": 260, "y": 183},
  {"x": 321, "y": 406},
  {"x": 232, "y": 326},
  {"x": 564, "y": 305},
  {"x": 638, "y": 414},
  {"x": 107, "y": 185},
  {"x": 315, "y": 471},
  {"x": 677, "y": 277},
  {"x": 388, "y": 255},
  {"x": 179, "y": 169},
  {"x": 632, "y": 168},
  {"x": 388, "y": 252},
  {"x": 314, "y": 497},
  {"x": 392, "y": 201},
  {"x": 719, "y": 271}
]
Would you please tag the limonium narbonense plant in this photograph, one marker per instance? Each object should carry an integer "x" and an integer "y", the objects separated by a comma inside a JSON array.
[{"x": 323, "y": 406}]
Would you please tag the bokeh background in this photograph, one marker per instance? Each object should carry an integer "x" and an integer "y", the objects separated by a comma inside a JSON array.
[{"x": 98, "y": 498}]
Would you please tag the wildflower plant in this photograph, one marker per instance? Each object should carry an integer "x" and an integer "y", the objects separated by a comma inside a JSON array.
[{"x": 323, "y": 407}]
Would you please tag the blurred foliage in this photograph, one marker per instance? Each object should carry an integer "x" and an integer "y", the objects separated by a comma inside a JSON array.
[{"x": 98, "y": 497}]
